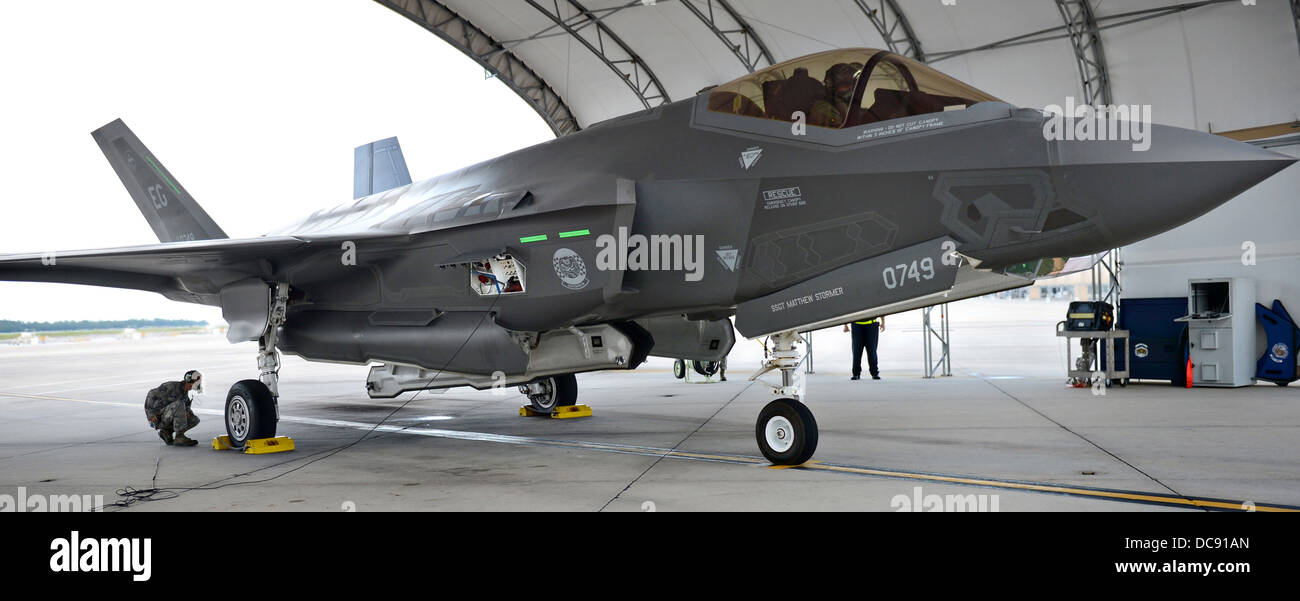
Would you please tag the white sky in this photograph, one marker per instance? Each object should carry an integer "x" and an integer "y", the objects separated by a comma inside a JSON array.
[{"x": 254, "y": 106}]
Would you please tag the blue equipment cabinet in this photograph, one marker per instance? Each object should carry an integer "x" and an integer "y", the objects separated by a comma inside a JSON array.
[{"x": 1158, "y": 349}]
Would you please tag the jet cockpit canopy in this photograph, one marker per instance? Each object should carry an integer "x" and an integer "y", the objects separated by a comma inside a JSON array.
[{"x": 844, "y": 88}]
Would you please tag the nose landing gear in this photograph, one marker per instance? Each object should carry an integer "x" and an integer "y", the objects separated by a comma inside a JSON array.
[{"x": 786, "y": 430}]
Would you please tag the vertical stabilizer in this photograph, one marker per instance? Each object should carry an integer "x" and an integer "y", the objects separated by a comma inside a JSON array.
[
  {"x": 173, "y": 214},
  {"x": 379, "y": 166}
]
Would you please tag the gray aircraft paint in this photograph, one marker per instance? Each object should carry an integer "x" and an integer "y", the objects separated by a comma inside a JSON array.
[
  {"x": 891, "y": 277},
  {"x": 378, "y": 167},
  {"x": 173, "y": 214},
  {"x": 984, "y": 177}
]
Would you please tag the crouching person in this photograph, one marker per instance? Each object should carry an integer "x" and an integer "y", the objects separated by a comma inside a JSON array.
[{"x": 167, "y": 408}]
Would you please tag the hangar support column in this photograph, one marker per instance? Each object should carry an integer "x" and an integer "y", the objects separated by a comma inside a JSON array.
[
  {"x": 750, "y": 49},
  {"x": 894, "y": 28},
  {"x": 1081, "y": 29},
  {"x": 609, "y": 48},
  {"x": 492, "y": 56}
]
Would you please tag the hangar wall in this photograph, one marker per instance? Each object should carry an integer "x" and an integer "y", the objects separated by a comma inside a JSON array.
[{"x": 1218, "y": 68}]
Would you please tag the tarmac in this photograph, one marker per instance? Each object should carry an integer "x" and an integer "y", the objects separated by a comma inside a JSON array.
[{"x": 1002, "y": 433}]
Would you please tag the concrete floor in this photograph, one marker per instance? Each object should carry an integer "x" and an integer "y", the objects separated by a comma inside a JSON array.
[{"x": 72, "y": 424}]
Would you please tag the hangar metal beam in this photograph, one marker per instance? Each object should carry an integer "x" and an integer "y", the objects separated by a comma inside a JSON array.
[
  {"x": 1052, "y": 33},
  {"x": 1081, "y": 27},
  {"x": 1295, "y": 14},
  {"x": 750, "y": 49},
  {"x": 615, "y": 54},
  {"x": 492, "y": 56},
  {"x": 893, "y": 26}
]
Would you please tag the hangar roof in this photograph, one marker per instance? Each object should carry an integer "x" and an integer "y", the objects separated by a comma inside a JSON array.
[{"x": 579, "y": 62}]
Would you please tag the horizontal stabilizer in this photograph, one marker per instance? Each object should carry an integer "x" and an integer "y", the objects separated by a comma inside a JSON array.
[
  {"x": 379, "y": 166},
  {"x": 173, "y": 214}
]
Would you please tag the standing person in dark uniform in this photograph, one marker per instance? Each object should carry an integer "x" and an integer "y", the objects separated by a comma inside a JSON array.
[{"x": 866, "y": 335}]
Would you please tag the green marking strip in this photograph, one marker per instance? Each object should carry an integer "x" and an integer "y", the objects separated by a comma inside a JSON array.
[
  {"x": 538, "y": 238},
  {"x": 163, "y": 175},
  {"x": 574, "y": 233}
]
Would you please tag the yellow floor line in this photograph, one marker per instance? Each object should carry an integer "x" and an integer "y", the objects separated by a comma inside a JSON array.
[{"x": 1138, "y": 496}]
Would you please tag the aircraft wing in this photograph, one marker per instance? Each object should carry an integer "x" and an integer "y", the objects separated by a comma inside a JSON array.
[
  {"x": 191, "y": 272},
  {"x": 194, "y": 260}
]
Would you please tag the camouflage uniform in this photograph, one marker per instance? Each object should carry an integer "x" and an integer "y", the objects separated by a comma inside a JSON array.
[
  {"x": 826, "y": 113},
  {"x": 169, "y": 404},
  {"x": 840, "y": 82}
]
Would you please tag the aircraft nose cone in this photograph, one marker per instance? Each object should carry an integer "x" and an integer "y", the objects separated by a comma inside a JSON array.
[{"x": 1181, "y": 176}]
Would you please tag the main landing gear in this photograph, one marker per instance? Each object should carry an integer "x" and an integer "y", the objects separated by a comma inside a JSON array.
[
  {"x": 545, "y": 394},
  {"x": 252, "y": 406},
  {"x": 708, "y": 369},
  {"x": 786, "y": 430}
]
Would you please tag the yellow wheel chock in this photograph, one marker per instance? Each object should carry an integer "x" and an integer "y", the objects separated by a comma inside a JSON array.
[
  {"x": 565, "y": 412},
  {"x": 256, "y": 446}
]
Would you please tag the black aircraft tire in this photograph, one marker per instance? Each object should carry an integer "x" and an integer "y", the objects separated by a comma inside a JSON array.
[
  {"x": 250, "y": 412},
  {"x": 786, "y": 432},
  {"x": 566, "y": 390},
  {"x": 563, "y": 393},
  {"x": 706, "y": 368},
  {"x": 679, "y": 369}
]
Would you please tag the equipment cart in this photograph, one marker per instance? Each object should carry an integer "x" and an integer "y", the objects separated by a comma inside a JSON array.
[{"x": 1112, "y": 375}]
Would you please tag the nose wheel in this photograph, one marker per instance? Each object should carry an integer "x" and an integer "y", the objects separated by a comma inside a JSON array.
[{"x": 786, "y": 432}]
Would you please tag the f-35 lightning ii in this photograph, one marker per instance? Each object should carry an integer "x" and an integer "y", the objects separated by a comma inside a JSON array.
[{"x": 838, "y": 186}]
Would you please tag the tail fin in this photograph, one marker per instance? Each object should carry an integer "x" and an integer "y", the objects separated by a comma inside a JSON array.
[
  {"x": 379, "y": 166},
  {"x": 170, "y": 210}
]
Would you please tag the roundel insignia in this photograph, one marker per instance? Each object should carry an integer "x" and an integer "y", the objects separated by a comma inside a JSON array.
[
  {"x": 1279, "y": 352},
  {"x": 1141, "y": 351},
  {"x": 570, "y": 268}
]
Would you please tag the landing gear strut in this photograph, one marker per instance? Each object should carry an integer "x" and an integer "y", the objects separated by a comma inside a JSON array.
[
  {"x": 786, "y": 430},
  {"x": 252, "y": 406}
]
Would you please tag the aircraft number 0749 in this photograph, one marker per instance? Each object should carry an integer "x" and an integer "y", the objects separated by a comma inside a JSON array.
[{"x": 898, "y": 275}]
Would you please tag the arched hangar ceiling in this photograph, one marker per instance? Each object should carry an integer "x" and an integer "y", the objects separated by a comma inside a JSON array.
[{"x": 1213, "y": 65}]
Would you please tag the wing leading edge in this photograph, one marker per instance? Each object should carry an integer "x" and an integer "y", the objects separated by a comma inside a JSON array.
[{"x": 193, "y": 272}]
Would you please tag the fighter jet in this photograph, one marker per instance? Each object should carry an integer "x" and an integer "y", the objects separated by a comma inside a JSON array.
[{"x": 826, "y": 189}]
